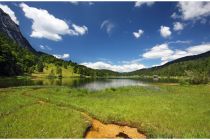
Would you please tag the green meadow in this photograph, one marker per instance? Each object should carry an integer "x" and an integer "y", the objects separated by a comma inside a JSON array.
[
  {"x": 50, "y": 69},
  {"x": 159, "y": 111}
]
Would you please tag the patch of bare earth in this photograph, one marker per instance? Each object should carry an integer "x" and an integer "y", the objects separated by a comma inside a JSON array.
[{"x": 100, "y": 130}]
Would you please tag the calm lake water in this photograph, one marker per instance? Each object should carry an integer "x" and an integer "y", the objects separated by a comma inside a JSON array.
[{"x": 92, "y": 84}]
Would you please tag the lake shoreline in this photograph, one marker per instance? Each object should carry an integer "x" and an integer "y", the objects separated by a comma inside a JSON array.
[{"x": 93, "y": 83}]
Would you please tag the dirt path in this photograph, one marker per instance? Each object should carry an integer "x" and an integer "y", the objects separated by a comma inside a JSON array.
[
  {"x": 100, "y": 130},
  {"x": 97, "y": 128}
]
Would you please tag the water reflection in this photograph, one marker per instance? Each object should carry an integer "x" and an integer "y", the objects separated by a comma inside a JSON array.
[
  {"x": 108, "y": 83},
  {"x": 87, "y": 83}
]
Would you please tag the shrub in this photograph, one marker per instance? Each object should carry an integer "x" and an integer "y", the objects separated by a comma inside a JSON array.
[
  {"x": 197, "y": 77},
  {"x": 183, "y": 81}
]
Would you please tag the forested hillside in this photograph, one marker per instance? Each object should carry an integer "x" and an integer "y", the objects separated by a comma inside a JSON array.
[
  {"x": 180, "y": 67},
  {"x": 194, "y": 69},
  {"x": 16, "y": 60}
]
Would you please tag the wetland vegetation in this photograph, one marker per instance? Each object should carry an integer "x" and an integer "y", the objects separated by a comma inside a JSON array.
[{"x": 172, "y": 111}]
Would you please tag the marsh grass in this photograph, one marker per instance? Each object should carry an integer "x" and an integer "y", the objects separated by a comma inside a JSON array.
[
  {"x": 25, "y": 117},
  {"x": 159, "y": 112}
]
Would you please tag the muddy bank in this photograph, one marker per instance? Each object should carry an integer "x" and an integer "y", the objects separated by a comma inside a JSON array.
[{"x": 100, "y": 130}]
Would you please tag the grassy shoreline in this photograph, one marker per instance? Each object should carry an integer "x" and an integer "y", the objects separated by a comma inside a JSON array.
[{"x": 172, "y": 111}]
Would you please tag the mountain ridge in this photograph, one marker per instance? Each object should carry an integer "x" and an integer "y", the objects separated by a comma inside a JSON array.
[
  {"x": 179, "y": 67},
  {"x": 12, "y": 30}
]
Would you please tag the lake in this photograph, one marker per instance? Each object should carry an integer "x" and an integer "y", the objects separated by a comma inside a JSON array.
[{"x": 87, "y": 83}]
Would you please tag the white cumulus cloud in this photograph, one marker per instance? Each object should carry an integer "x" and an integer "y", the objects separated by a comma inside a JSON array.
[
  {"x": 178, "y": 26},
  {"x": 165, "y": 31},
  {"x": 193, "y": 50},
  {"x": 140, "y": 3},
  {"x": 119, "y": 68},
  {"x": 166, "y": 54},
  {"x": 46, "y": 25},
  {"x": 81, "y": 30},
  {"x": 177, "y": 54},
  {"x": 64, "y": 56},
  {"x": 158, "y": 51},
  {"x": 9, "y": 11},
  {"x": 198, "y": 49},
  {"x": 191, "y": 10},
  {"x": 138, "y": 34}
]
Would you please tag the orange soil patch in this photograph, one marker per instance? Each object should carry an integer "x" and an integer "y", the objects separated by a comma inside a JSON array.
[{"x": 100, "y": 130}]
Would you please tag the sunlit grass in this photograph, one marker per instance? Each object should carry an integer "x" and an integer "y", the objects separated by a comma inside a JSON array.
[
  {"x": 161, "y": 111},
  {"x": 66, "y": 72},
  {"x": 25, "y": 117}
]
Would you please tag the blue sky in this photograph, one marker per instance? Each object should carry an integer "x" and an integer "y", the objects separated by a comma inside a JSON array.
[{"x": 120, "y": 36}]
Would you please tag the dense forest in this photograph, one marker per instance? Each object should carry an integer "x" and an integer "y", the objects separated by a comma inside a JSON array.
[
  {"x": 16, "y": 60},
  {"x": 196, "y": 67},
  {"x": 180, "y": 67}
]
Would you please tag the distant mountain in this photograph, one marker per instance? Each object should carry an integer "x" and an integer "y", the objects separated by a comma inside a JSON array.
[
  {"x": 179, "y": 67},
  {"x": 11, "y": 29}
]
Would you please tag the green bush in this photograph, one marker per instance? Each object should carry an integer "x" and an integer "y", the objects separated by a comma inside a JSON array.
[
  {"x": 183, "y": 81},
  {"x": 197, "y": 77}
]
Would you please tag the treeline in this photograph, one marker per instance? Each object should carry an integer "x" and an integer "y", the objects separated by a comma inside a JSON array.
[
  {"x": 196, "y": 68},
  {"x": 84, "y": 71},
  {"x": 15, "y": 60},
  {"x": 179, "y": 68}
]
